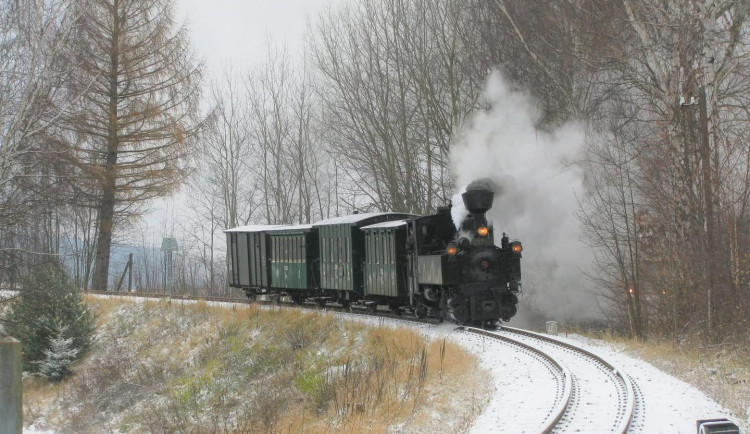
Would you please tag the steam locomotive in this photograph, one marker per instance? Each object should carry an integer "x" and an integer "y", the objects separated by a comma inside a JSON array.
[{"x": 420, "y": 264}]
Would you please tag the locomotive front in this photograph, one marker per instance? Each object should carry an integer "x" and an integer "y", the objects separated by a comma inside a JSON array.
[{"x": 489, "y": 276}]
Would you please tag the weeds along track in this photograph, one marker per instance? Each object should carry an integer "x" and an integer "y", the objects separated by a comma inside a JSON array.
[
  {"x": 602, "y": 398},
  {"x": 271, "y": 302},
  {"x": 586, "y": 393}
]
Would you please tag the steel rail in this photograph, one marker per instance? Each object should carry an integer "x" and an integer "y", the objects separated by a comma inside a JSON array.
[
  {"x": 626, "y": 415},
  {"x": 564, "y": 383}
]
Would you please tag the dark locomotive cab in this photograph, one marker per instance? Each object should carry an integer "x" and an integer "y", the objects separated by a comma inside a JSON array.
[{"x": 461, "y": 274}]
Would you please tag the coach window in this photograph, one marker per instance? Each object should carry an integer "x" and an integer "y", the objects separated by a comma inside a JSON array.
[
  {"x": 368, "y": 248},
  {"x": 388, "y": 248},
  {"x": 391, "y": 252},
  {"x": 377, "y": 248}
]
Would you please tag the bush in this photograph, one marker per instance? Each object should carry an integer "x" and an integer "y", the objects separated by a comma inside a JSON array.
[{"x": 50, "y": 319}]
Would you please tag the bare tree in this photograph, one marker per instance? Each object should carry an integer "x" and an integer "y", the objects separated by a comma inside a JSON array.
[
  {"x": 680, "y": 70},
  {"x": 396, "y": 79},
  {"x": 32, "y": 36},
  {"x": 270, "y": 91},
  {"x": 224, "y": 166}
]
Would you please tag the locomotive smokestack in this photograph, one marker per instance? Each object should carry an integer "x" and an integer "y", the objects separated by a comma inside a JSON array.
[{"x": 478, "y": 196}]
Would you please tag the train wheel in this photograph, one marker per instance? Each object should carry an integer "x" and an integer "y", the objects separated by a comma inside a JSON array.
[
  {"x": 395, "y": 309},
  {"x": 347, "y": 305},
  {"x": 372, "y": 308}
]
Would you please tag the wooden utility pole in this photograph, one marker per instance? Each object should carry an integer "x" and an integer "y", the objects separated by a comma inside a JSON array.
[
  {"x": 705, "y": 152},
  {"x": 129, "y": 271}
]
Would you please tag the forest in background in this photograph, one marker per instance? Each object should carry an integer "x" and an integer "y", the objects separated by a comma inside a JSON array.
[{"x": 103, "y": 108}]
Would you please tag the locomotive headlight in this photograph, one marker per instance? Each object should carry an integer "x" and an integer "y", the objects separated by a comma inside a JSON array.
[
  {"x": 517, "y": 248},
  {"x": 451, "y": 249},
  {"x": 483, "y": 231}
]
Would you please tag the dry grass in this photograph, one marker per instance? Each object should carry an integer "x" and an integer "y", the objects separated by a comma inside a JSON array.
[
  {"x": 167, "y": 367},
  {"x": 720, "y": 371}
]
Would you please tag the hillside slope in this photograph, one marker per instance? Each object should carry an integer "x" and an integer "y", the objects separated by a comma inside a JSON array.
[{"x": 161, "y": 367}]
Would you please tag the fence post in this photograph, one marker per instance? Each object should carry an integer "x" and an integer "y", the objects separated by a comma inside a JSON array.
[{"x": 11, "y": 404}]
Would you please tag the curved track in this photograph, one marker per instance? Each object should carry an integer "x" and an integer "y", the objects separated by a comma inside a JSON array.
[
  {"x": 590, "y": 394},
  {"x": 602, "y": 398},
  {"x": 563, "y": 379}
]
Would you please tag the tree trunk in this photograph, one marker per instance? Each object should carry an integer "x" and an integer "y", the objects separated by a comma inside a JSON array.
[
  {"x": 104, "y": 241},
  {"x": 109, "y": 184}
]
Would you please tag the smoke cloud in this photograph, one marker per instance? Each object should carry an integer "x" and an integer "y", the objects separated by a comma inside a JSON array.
[{"x": 538, "y": 179}]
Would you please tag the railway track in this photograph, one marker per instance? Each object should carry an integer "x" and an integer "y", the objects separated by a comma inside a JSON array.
[
  {"x": 590, "y": 394},
  {"x": 598, "y": 398}
]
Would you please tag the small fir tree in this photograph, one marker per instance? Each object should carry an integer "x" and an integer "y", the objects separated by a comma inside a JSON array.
[
  {"x": 49, "y": 302},
  {"x": 59, "y": 357}
]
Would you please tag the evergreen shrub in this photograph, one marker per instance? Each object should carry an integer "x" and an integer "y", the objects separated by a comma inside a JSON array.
[{"x": 51, "y": 320}]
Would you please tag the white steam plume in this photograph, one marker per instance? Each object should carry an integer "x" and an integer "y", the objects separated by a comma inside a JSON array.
[{"x": 537, "y": 179}]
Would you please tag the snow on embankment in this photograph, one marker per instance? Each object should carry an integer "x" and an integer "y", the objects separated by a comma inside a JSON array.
[
  {"x": 672, "y": 405},
  {"x": 521, "y": 387},
  {"x": 196, "y": 367}
]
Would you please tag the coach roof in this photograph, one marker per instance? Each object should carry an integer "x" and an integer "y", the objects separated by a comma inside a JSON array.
[
  {"x": 254, "y": 228},
  {"x": 356, "y": 218}
]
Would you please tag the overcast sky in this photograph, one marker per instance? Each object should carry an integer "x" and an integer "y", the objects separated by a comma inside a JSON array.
[{"x": 239, "y": 30}]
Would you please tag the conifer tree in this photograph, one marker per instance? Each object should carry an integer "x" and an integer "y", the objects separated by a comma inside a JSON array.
[
  {"x": 135, "y": 87},
  {"x": 49, "y": 308},
  {"x": 60, "y": 355}
]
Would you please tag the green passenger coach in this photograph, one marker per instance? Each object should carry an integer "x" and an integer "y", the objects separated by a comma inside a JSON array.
[
  {"x": 247, "y": 255},
  {"x": 294, "y": 258},
  {"x": 342, "y": 247},
  {"x": 385, "y": 266}
]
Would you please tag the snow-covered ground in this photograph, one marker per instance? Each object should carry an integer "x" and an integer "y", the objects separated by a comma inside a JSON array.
[
  {"x": 671, "y": 405},
  {"x": 5, "y": 294},
  {"x": 522, "y": 386}
]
